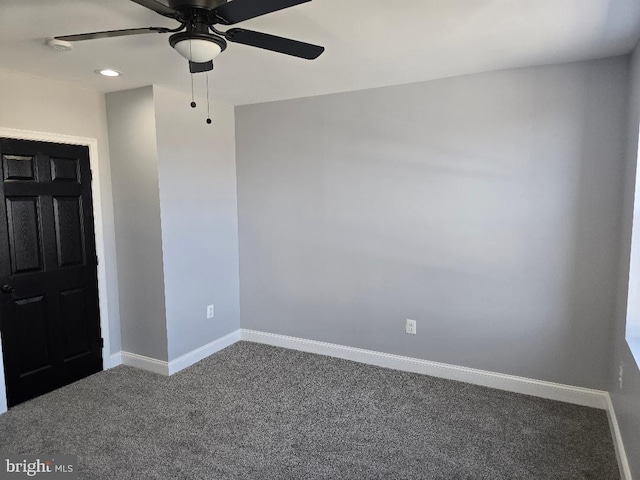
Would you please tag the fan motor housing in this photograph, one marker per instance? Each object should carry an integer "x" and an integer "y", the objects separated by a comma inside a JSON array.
[{"x": 206, "y": 4}]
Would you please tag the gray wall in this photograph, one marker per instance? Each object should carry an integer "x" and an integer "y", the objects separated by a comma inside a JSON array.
[
  {"x": 176, "y": 220},
  {"x": 486, "y": 207},
  {"x": 134, "y": 167},
  {"x": 626, "y": 398},
  {"x": 198, "y": 204}
]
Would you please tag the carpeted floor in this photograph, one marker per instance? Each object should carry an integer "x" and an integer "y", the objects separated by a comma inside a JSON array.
[{"x": 260, "y": 412}]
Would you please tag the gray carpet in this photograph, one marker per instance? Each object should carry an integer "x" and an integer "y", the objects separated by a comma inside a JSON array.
[{"x": 260, "y": 412}]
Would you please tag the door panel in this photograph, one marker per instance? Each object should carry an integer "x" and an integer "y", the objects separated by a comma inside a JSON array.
[
  {"x": 23, "y": 215},
  {"x": 32, "y": 333},
  {"x": 49, "y": 317},
  {"x": 68, "y": 226},
  {"x": 64, "y": 170},
  {"x": 77, "y": 337},
  {"x": 18, "y": 167}
]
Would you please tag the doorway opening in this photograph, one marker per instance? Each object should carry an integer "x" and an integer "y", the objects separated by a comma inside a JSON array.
[{"x": 66, "y": 209}]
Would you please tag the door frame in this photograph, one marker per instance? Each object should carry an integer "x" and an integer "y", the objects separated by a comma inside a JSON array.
[{"x": 92, "y": 143}]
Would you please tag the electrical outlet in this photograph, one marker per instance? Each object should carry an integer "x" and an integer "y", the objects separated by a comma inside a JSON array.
[
  {"x": 411, "y": 327},
  {"x": 620, "y": 375},
  {"x": 209, "y": 311}
]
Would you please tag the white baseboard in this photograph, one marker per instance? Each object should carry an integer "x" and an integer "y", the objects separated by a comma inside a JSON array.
[
  {"x": 623, "y": 461},
  {"x": 180, "y": 363},
  {"x": 145, "y": 363},
  {"x": 114, "y": 361},
  {"x": 195, "y": 356},
  {"x": 511, "y": 383}
]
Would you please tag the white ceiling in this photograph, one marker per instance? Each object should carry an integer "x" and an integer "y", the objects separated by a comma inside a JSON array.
[{"x": 369, "y": 43}]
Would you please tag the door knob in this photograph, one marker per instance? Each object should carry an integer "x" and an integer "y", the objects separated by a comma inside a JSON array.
[{"x": 7, "y": 289}]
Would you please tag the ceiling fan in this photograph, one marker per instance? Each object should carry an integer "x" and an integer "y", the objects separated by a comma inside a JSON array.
[{"x": 200, "y": 42}]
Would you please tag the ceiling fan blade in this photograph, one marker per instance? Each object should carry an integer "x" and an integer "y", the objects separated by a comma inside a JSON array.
[
  {"x": 112, "y": 33},
  {"x": 240, "y": 10},
  {"x": 160, "y": 8},
  {"x": 273, "y": 43}
]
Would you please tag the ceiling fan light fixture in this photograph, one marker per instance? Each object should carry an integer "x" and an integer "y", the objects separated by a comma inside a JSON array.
[{"x": 197, "y": 47}]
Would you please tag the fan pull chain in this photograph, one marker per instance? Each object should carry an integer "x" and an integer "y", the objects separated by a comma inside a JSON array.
[
  {"x": 193, "y": 103},
  {"x": 208, "y": 103}
]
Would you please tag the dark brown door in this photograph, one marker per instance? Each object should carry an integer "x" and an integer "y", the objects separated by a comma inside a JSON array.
[{"x": 49, "y": 316}]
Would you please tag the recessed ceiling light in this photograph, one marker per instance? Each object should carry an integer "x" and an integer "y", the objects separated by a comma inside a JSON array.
[{"x": 108, "y": 72}]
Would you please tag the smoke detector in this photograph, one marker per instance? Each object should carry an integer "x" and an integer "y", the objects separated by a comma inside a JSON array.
[{"x": 60, "y": 45}]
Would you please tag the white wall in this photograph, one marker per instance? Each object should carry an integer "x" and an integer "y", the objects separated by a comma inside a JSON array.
[
  {"x": 198, "y": 203},
  {"x": 626, "y": 397},
  {"x": 486, "y": 207},
  {"x": 134, "y": 163}
]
